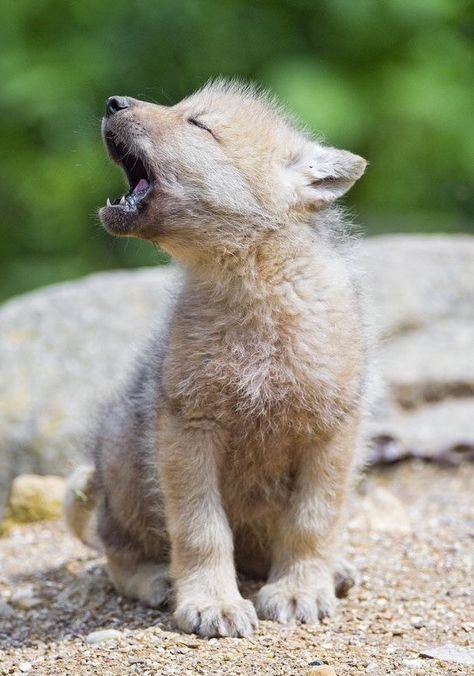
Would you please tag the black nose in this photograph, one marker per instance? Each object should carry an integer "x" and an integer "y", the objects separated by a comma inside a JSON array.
[{"x": 114, "y": 104}]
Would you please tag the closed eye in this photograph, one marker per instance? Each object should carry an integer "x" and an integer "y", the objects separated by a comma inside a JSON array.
[{"x": 198, "y": 123}]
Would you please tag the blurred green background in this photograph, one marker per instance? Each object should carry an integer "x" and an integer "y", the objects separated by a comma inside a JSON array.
[{"x": 389, "y": 79}]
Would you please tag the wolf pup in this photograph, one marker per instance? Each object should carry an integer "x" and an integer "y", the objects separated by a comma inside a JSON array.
[{"x": 233, "y": 445}]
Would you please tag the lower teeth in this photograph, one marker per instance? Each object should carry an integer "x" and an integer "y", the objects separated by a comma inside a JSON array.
[{"x": 130, "y": 200}]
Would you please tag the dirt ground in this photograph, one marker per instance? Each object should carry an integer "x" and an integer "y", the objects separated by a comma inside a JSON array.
[{"x": 415, "y": 594}]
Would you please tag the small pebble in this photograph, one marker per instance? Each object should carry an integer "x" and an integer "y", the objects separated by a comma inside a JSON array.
[
  {"x": 418, "y": 622},
  {"x": 398, "y": 631},
  {"x": 103, "y": 635},
  {"x": 25, "y": 600},
  {"x": 323, "y": 670},
  {"x": 413, "y": 663},
  {"x": 6, "y": 610},
  {"x": 25, "y": 666}
]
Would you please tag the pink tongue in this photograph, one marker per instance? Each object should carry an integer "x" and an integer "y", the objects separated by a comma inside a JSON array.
[{"x": 141, "y": 186}]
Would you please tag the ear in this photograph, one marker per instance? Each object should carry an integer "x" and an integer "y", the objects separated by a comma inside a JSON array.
[{"x": 322, "y": 174}]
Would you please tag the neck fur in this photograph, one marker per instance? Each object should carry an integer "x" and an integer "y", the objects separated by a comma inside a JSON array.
[{"x": 259, "y": 270}]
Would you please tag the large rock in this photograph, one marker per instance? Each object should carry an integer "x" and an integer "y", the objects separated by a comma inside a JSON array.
[
  {"x": 431, "y": 363},
  {"x": 63, "y": 348},
  {"x": 36, "y": 498},
  {"x": 416, "y": 280},
  {"x": 421, "y": 297}
]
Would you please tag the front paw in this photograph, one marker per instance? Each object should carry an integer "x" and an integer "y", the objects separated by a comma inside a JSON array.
[
  {"x": 215, "y": 618},
  {"x": 284, "y": 601}
]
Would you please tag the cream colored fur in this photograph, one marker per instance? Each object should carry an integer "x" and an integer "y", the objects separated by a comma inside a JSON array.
[{"x": 236, "y": 439}]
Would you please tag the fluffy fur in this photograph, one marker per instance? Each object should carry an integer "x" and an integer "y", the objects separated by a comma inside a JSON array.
[{"x": 234, "y": 443}]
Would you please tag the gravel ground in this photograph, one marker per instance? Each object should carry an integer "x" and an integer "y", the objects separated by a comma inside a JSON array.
[{"x": 415, "y": 594}]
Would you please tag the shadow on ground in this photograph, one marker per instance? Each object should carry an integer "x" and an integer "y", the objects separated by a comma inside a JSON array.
[{"x": 67, "y": 603}]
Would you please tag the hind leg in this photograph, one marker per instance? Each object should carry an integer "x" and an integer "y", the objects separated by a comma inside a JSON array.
[
  {"x": 138, "y": 568},
  {"x": 144, "y": 581}
]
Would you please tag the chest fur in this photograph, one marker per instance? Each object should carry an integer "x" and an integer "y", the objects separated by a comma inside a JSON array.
[{"x": 289, "y": 361}]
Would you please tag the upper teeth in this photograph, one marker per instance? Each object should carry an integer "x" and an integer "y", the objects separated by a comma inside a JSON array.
[{"x": 122, "y": 201}]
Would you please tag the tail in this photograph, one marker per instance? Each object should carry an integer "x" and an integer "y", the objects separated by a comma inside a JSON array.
[{"x": 79, "y": 504}]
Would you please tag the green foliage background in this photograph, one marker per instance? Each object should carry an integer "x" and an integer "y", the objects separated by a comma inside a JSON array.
[{"x": 389, "y": 79}]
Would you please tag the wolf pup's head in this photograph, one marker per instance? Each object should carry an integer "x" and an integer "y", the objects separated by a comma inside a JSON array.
[{"x": 217, "y": 171}]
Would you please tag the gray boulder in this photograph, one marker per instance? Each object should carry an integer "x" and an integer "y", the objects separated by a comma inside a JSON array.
[
  {"x": 417, "y": 280},
  {"x": 64, "y": 348},
  {"x": 421, "y": 298}
]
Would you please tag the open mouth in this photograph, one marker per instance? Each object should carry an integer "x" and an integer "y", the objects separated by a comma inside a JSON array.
[{"x": 139, "y": 178}]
